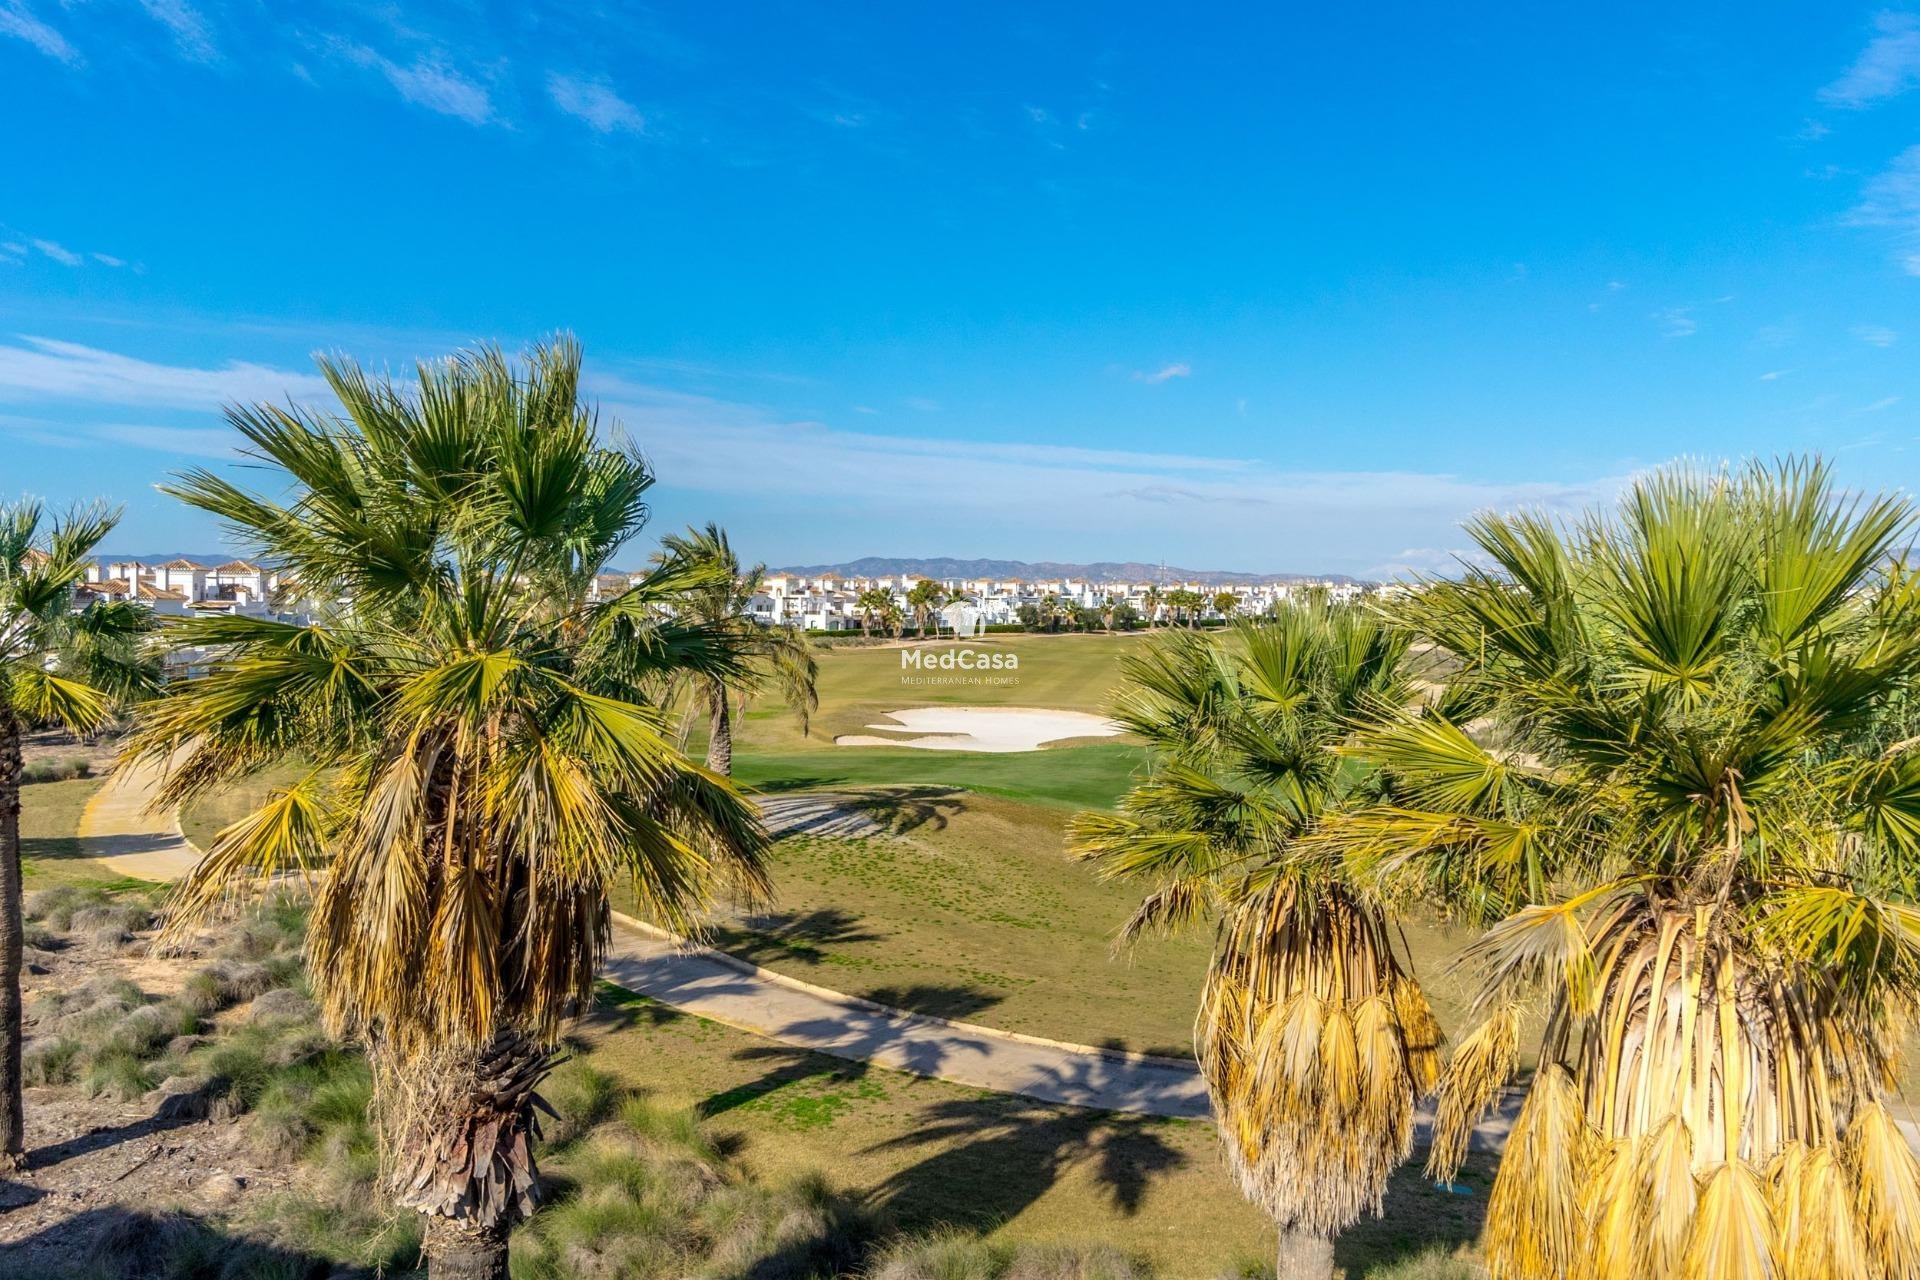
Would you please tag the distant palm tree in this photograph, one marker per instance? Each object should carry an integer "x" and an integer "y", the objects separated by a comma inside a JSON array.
[
  {"x": 777, "y": 653},
  {"x": 486, "y": 746},
  {"x": 58, "y": 665},
  {"x": 1682, "y": 789},
  {"x": 873, "y": 603},
  {"x": 1314, "y": 1038},
  {"x": 1153, "y": 600},
  {"x": 1109, "y": 606},
  {"x": 1225, "y": 603},
  {"x": 923, "y": 598}
]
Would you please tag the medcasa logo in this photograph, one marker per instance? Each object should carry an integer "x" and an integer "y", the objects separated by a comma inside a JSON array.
[{"x": 958, "y": 660}]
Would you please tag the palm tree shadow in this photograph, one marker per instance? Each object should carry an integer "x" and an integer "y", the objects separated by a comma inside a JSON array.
[
  {"x": 790, "y": 1067},
  {"x": 617, "y": 1009},
  {"x": 1419, "y": 1216},
  {"x": 991, "y": 1158},
  {"x": 120, "y": 1243},
  {"x": 805, "y": 936},
  {"x": 900, "y": 810}
]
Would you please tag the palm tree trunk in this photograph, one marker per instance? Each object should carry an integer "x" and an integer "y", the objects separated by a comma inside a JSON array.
[
  {"x": 720, "y": 732},
  {"x": 1303, "y": 1256},
  {"x": 462, "y": 1249},
  {"x": 464, "y": 1159},
  {"x": 13, "y": 1143}
]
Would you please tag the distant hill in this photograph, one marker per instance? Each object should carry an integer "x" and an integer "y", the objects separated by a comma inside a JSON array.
[{"x": 1102, "y": 570}]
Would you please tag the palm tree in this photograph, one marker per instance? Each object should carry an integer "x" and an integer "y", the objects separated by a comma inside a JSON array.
[
  {"x": 1225, "y": 603},
  {"x": 1681, "y": 787},
  {"x": 1153, "y": 600},
  {"x": 873, "y": 604},
  {"x": 486, "y": 748},
  {"x": 58, "y": 665},
  {"x": 923, "y": 599},
  {"x": 776, "y": 653},
  {"x": 1109, "y": 607},
  {"x": 1314, "y": 1038}
]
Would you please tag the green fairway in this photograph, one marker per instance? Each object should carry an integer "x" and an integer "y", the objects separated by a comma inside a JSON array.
[
  {"x": 1071, "y": 777},
  {"x": 860, "y": 687}
]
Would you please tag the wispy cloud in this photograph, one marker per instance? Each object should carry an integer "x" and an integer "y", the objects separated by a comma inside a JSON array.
[
  {"x": 1774, "y": 375},
  {"x": 18, "y": 21},
  {"x": 1885, "y": 402},
  {"x": 770, "y": 468},
  {"x": 595, "y": 102},
  {"x": 1886, "y": 68},
  {"x": 921, "y": 404},
  {"x": 54, "y": 251},
  {"x": 1892, "y": 200},
  {"x": 1165, "y": 373},
  {"x": 1874, "y": 335},
  {"x": 1677, "y": 322},
  {"x": 189, "y": 27},
  {"x": 429, "y": 81},
  {"x": 45, "y": 370},
  {"x": 58, "y": 252}
]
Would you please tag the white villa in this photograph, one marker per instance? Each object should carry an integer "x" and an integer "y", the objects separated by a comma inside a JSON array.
[{"x": 186, "y": 588}]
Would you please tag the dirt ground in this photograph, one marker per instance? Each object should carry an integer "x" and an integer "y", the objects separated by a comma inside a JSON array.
[{"x": 105, "y": 1178}]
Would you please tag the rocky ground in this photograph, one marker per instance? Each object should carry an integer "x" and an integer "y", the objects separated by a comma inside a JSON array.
[{"x": 139, "y": 1158}]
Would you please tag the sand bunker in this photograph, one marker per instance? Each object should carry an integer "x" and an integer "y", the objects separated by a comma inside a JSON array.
[{"x": 983, "y": 729}]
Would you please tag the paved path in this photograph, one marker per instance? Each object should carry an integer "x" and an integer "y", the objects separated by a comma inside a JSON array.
[
  {"x": 137, "y": 842},
  {"x": 120, "y": 827}
]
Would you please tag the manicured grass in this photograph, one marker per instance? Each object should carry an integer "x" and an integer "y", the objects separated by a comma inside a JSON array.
[
  {"x": 50, "y": 847},
  {"x": 1065, "y": 777},
  {"x": 927, "y": 1154}
]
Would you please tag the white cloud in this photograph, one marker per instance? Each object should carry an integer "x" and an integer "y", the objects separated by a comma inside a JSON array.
[
  {"x": 108, "y": 260},
  {"x": 17, "y": 20},
  {"x": 1677, "y": 322},
  {"x": 771, "y": 471},
  {"x": 1165, "y": 373},
  {"x": 1886, "y": 68},
  {"x": 922, "y": 404},
  {"x": 1774, "y": 375},
  {"x": 430, "y": 82},
  {"x": 595, "y": 102},
  {"x": 1892, "y": 200},
  {"x": 45, "y": 370},
  {"x": 188, "y": 25},
  {"x": 1874, "y": 335},
  {"x": 58, "y": 252},
  {"x": 1885, "y": 402}
]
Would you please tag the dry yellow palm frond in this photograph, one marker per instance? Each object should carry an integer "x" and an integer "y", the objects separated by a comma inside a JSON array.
[
  {"x": 1886, "y": 1192},
  {"x": 1482, "y": 1063},
  {"x": 1309, "y": 1057},
  {"x": 1536, "y": 1228},
  {"x": 1733, "y": 1230},
  {"x": 1813, "y": 1214}
]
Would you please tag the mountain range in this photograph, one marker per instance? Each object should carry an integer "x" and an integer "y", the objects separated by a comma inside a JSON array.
[{"x": 1100, "y": 570}]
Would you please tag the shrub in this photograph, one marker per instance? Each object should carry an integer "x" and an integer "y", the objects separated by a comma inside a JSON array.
[
  {"x": 63, "y": 770},
  {"x": 581, "y": 1098},
  {"x": 51, "y": 1059},
  {"x": 117, "y": 1074},
  {"x": 955, "y": 1256}
]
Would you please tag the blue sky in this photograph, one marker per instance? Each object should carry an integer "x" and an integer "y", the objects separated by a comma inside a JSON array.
[{"x": 1254, "y": 288}]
